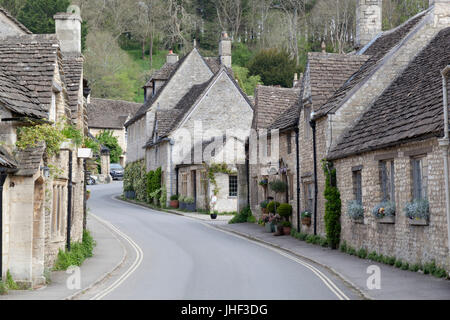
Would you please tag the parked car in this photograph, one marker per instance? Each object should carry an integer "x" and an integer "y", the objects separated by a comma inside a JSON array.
[{"x": 116, "y": 171}]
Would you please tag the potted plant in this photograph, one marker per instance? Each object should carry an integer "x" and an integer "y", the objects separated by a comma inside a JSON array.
[
  {"x": 88, "y": 194},
  {"x": 275, "y": 220},
  {"x": 355, "y": 211},
  {"x": 272, "y": 206},
  {"x": 214, "y": 215},
  {"x": 287, "y": 227},
  {"x": 174, "y": 203},
  {"x": 278, "y": 186},
  {"x": 263, "y": 206},
  {"x": 189, "y": 204},
  {"x": 264, "y": 182},
  {"x": 181, "y": 203},
  {"x": 384, "y": 212},
  {"x": 418, "y": 212},
  {"x": 306, "y": 218}
]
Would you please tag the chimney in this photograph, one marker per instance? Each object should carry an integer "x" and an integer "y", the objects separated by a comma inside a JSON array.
[
  {"x": 225, "y": 50},
  {"x": 68, "y": 30},
  {"x": 295, "y": 79},
  {"x": 172, "y": 58},
  {"x": 368, "y": 21}
]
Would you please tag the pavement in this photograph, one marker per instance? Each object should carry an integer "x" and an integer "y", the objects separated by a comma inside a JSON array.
[{"x": 396, "y": 284}]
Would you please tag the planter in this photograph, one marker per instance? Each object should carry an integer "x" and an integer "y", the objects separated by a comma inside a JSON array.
[
  {"x": 387, "y": 220},
  {"x": 190, "y": 207},
  {"x": 130, "y": 194},
  {"x": 269, "y": 227},
  {"x": 418, "y": 222},
  {"x": 214, "y": 216},
  {"x": 264, "y": 211},
  {"x": 88, "y": 195},
  {"x": 306, "y": 221},
  {"x": 182, "y": 205},
  {"x": 174, "y": 204},
  {"x": 287, "y": 231}
]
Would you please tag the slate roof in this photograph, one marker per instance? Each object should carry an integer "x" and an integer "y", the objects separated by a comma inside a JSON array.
[
  {"x": 16, "y": 22},
  {"x": 19, "y": 99},
  {"x": 110, "y": 114},
  {"x": 327, "y": 72},
  {"x": 163, "y": 73},
  {"x": 410, "y": 108},
  {"x": 73, "y": 71},
  {"x": 31, "y": 60},
  {"x": 271, "y": 102},
  {"x": 6, "y": 159},
  {"x": 377, "y": 50},
  {"x": 29, "y": 160}
]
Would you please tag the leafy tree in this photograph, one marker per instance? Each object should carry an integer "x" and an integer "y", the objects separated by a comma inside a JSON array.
[
  {"x": 107, "y": 139},
  {"x": 274, "y": 66},
  {"x": 332, "y": 206},
  {"x": 248, "y": 84},
  {"x": 241, "y": 54},
  {"x": 12, "y": 6}
]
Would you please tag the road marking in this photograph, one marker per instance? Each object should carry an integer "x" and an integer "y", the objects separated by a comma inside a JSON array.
[
  {"x": 137, "y": 262},
  {"x": 327, "y": 281}
]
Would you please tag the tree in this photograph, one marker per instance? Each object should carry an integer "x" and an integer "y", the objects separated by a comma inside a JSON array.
[
  {"x": 248, "y": 84},
  {"x": 332, "y": 206},
  {"x": 37, "y": 15},
  {"x": 274, "y": 66},
  {"x": 107, "y": 139},
  {"x": 12, "y": 6}
]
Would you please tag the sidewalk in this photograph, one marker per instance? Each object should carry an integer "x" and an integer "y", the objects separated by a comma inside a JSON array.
[
  {"x": 395, "y": 284},
  {"x": 107, "y": 257},
  {"x": 204, "y": 217}
]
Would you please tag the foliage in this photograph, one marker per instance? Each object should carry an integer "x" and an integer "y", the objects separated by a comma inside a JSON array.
[
  {"x": 163, "y": 198},
  {"x": 418, "y": 209},
  {"x": 285, "y": 210},
  {"x": 215, "y": 168},
  {"x": 31, "y": 136},
  {"x": 241, "y": 54},
  {"x": 278, "y": 186},
  {"x": 246, "y": 82},
  {"x": 275, "y": 67},
  {"x": 174, "y": 197},
  {"x": 362, "y": 253},
  {"x": 355, "y": 210},
  {"x": 286, "y": 224},
  {"x": 264, "y": 204},
  {"x": 306, "y": 214},
  {"x": 272, "y": 206},
  {"x": 384, "y": 209},
  {"x": 244, "y": 216},
  {"x": 332, "y": 206},
  {"x": 106, "y": 138},
  {"x": 189, "y": 200},
  {"x": 72, "y": 133},
  {"x": 154, "y": 187},
  {"x": 263, "y": 182},
  {"x": 78, "y": 253},
  {"x": 135, "y": 179}
]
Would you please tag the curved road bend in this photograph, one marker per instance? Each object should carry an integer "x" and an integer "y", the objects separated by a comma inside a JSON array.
[{"x": 184, "y": 259}]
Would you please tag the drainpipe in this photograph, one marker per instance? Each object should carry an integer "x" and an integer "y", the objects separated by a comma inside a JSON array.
[
  {"x": 313, "y": 126},
  {"x": 84, "y": 198},
  {"x": 2, "y": 182},
  {"x": 247, "y": 168},
  {"x": 297, "y": 154},
  {"x": 69, "y": 201},
  {"x": 444, "y": 145}
]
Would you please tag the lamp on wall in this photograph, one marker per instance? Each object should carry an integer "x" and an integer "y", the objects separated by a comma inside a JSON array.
[{"x": 45, "y": 172}]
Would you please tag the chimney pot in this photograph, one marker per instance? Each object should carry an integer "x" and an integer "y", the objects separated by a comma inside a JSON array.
[
  {"x": 172, "y": 58},
  {"x": 225, "y": 50}
]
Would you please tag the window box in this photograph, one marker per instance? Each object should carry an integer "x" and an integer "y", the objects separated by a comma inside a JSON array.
[
  {"x": 358, "y": 221},
  {"x": 387, "y": 220},
  {"x": 418, "y": 222}
]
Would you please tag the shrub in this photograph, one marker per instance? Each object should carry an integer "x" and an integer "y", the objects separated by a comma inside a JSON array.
[
  {"x": 10, "y": 283},
  {"x": 398, "y": 263},
  {"x": 285, "y": 210},
  {"x": 174, "y": 197},
  {"x": 303, "y": 236},
  {"x": 189, "y": 200},
  {"x": 264, "y": 204},
  {"x": 107, "y": 138},
  {"x": 418, "y": 209},
  {"x": 390, "y": 260},
  {"x": 384, "y": 209},
  {"x": 271, "y": 207},
  {"x": 309, "y": 238},
  {"x": 362, "y": 253},
  {"x": 351, "y": 251},
  {"x": 251, "y": 219},
  {"x": 78, "y": 253},
  {"x": 355, "y": 210},
  {"x": 380, "y": 258},
  {"x": 242, "y": 217},
  {"x": 332, "y": 206},
  {"x": 343, "y": 247},
  {"x": 431, "y": 268},
  {"x": 286, "y": 224},
  {"x": 373, "y": 256},
  {"x": 414, "y": 267},
  {"x": 3, "y": 288},
  {"x": 405, "y": 266},
  {"x": 324, "y": 242}
]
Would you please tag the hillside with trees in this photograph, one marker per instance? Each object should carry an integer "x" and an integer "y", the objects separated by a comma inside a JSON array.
[{"x": 127, "y": 40}]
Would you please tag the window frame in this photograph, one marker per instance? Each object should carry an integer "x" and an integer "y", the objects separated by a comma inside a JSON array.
[
  {"x": 233, "y": 186},
  {"x": 357, "y": 185},
  {"x": 419, "y": 177},
  {"x": 387, "y": 179}
]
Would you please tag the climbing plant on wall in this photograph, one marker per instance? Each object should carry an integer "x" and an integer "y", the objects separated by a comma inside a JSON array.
[
  {"x": 332, "y": 205},
  {"x": 215, "y": 168}
]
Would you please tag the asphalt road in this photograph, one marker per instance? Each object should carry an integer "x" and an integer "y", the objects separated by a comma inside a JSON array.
[{"x": 186, "y": 259}]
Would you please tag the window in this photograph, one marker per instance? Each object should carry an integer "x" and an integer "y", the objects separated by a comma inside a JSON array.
[
  {"x": 233, "y": 186},
  {"x": 309, "y": 196},
  {"x": 184, "y": 184},
  {"x": 289, "y": 143},
  {"x": 357, "y": 185},
  {"x": 419, "y": 168},
  {"x": 307, "y": 120},
  {"x": 387, "y": 180}
]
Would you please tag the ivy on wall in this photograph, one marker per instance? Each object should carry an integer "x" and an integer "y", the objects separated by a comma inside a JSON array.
[
  {"x": 214, "y": 169},
  {"x": 135, "y": 179}
]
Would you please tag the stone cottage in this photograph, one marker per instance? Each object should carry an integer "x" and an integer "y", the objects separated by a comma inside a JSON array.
[
  {"x": 193, "y": 100},
  {"x": 276, "y": 110},
  {"x": 42, "y": 196},
  {"x": 111, "y": 115},
  {"x": 396, "y": 153}
]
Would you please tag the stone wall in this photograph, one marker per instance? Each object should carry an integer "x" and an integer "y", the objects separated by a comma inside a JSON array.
[
  {"x": 413, "y": 244},
  {"x": 8, "y": 27}
]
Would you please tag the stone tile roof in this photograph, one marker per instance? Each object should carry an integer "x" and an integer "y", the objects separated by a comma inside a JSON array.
[
  {"x": 378, "y": 49},
  {"x": 19, "y": 99},
  {"x": 271, "y": 102},
  {"x": 73, "y": 71},
  {"x": 163, "y": 73},
  {"x": 6, "y": 159},
  {"x": 213, "y": 63},
  {"x": 110, "y": 114},
  {"x": 16, "y": 22},
  {"x": 410, "y": 108},
  {"x": 327, "y": 72},
  {"x": 29, "y": 160},
  {"x": 31, "y": 60}
]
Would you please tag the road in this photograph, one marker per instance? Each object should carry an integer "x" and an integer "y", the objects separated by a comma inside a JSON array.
[{"x": 176, "y": 258}]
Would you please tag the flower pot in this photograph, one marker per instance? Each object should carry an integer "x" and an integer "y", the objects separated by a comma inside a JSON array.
[
  {"x": 130, "y": 194},
  {"x": 306, "y": 221},
  {"x": 190, "y": 207},
  {"x": 182, "y": 206},
  {"x": 88, "y": 195},
  {"x": 214, "y": 216},
  {"x": 269, "y": 227},
  {"x": 287, "y": 231},
  {"x": 387, "y": 220},
  {"x": 418, "y": 222},
  {"x": 174, "y": 204}
]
